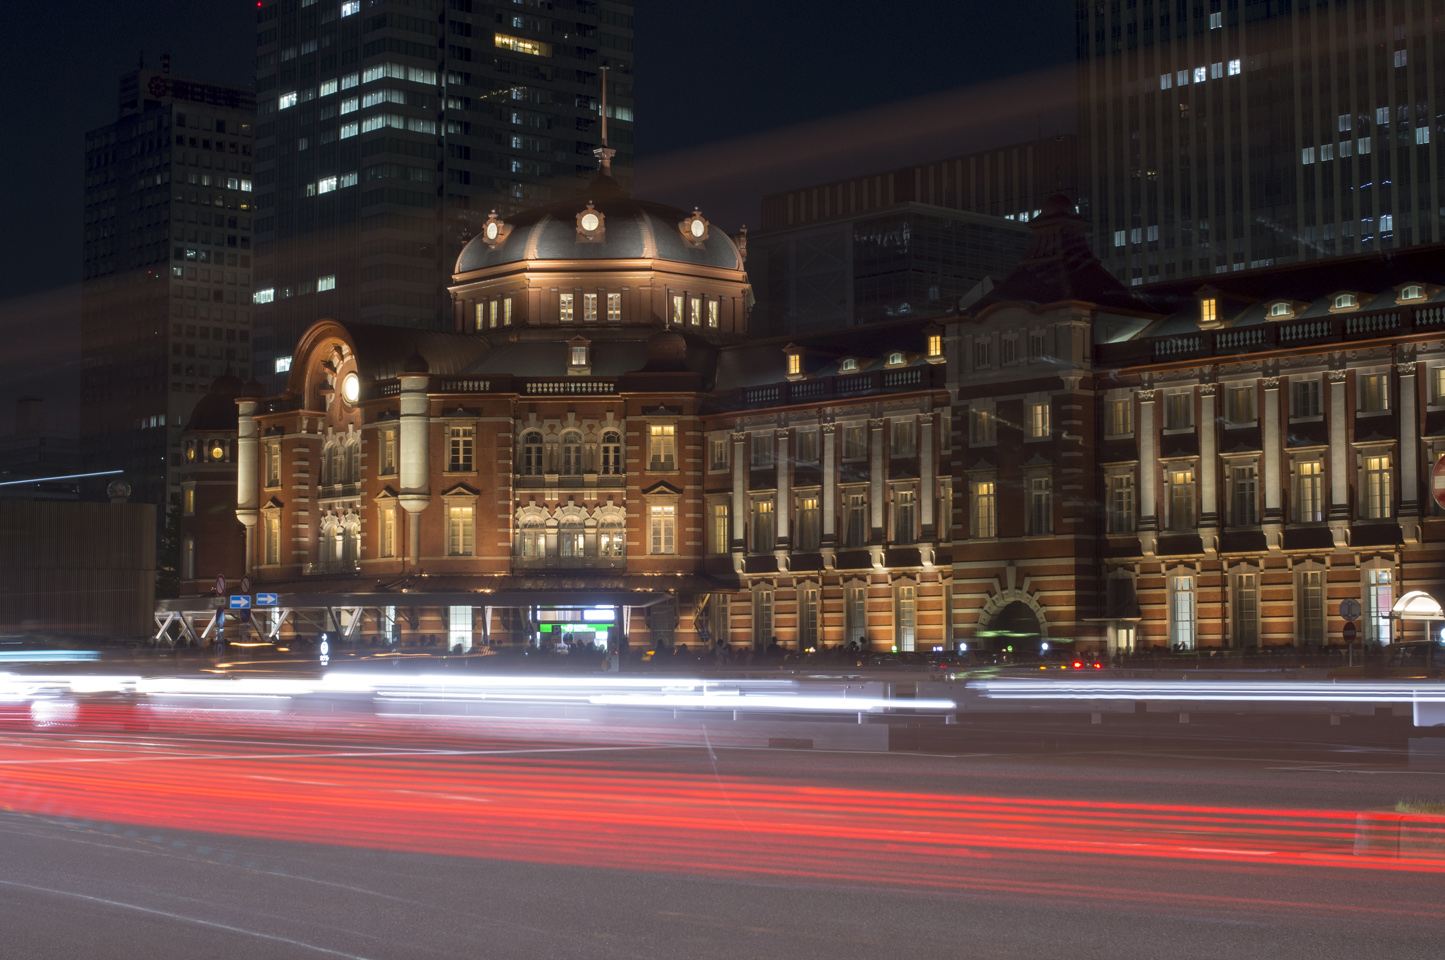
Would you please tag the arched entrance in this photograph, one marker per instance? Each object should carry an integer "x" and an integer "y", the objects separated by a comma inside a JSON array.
[{"x": 1015, "y": 625}]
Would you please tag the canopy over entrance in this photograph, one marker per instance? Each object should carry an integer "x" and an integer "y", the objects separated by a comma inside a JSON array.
[{"x": 1418, "y": 605}]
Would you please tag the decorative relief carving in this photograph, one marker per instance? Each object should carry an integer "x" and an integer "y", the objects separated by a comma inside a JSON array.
[
  {"x": 1146, "y": 396},
  {"x": 1208, "y": 389},
  {"x": 1338, "y": 376},
  {"x": 1271, "y": 383},
  {"x": 1406, "y": 369}
]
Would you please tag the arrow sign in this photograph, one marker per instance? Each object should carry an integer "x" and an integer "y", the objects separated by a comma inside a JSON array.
[
  {"x": 266, "y": 599},
  {"x": 240, "y": 601}
]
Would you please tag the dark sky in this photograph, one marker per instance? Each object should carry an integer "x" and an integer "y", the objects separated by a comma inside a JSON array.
[{"x": 734, "y": 98}]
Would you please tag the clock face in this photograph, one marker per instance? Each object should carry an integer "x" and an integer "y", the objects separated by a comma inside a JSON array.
[
  {"x": 493, "y": 230},
  {"x": 217, "y": 452},
  {"x": 590, "y": 222},
  {"x": 351, "y": 388},
  {"x": 698, "y": 228}
]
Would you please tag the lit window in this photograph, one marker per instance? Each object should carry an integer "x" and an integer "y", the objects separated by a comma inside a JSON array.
[
  {"x": 1309, "y": 504},
  {"x": 935, "y": 345},
  {"x": 350, "y": 80},
  {"x": 589, "y": 306},
  {"x": 1412, "y": 293},
  {"x": 287, "y": 100},
  {"x": 1216, "y": 21},
  {"x": 273, "y": 538},
  {"x": 188, "y": 501},
  {"x": 985, "y": 509},
  {"x": 719, "y": 529},
  {"x": 895, "y": 358},
  {"x": 327, "y": 282},
  {"x": 264, "y": 296},
  {"x": 1402, "y": 58},
  {"x": 1166, "y": 80},
  {"x": 350, "y": 7},
  {"x": 1181, "y": 500},
  {"x": 1373, "y": 391},
  {"x": 762, "y": 540},
  {"x": 1039, "y": 426},
  {"x": 507, "y": 312},
  {"x": 566, "y": 307},
  {"x": 283, "y": 364},
  {"x": 614, "y": 307},
  {"x": 808, "y": 534},
  {"x": 491, "y": 314},
  {"x": 1208, "y": 310},
  {"x": 1281, "y": 310},
  {"x": 350, "y": 105},
  {"x": 1120, "y": 238},
  {"x": 695, "y": 312},
  {"x": 712, "y": 311},
  {"x": 349, "y": 130},
  {"x": 1377, "y": 498},
  {"x": 1387, "y": 222},
  {"x": 460, "y": 531},
  {"x": 534, "y": 48},
  {"x": 579, "y": 355},
  {"x": 1216, "y": 71},
  {"x": 1344, "y": 301},
  {"x": 245, "y": 186},
  {"x": 460, "y": 450},
  {"x": 677, "y": 308},
  {"x": 848, "y": 366},
  {"x": 1234, "y": 67},
  {"x": 325, "y": 184},
  {"x": 663, "y": 523},
  {"x": 1379, "y": 606},
  {"x": 1181, "y": 612},
  {"x": 662, "y": 446},
  {"x": 328, "y": 87},
  {"x": 795, "y": 363},
  {"x": 1307, "y": 155},
  {"x": 1201, "y": 74}
]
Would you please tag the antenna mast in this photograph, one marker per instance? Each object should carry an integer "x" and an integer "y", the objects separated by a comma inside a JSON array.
[{"x": 604, "y": 153}]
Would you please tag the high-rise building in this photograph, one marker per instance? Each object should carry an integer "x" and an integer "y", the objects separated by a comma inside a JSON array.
[
  {"x": 166, "y": 296},
  {"x": 1218, "y": 137},
  {"x": 902, "y": 242},
  {"x": 388, "y": 130}
]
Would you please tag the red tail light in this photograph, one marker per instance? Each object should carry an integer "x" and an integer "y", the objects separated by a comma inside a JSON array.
[
  {"x": 1078, "y": 665},
  {"x": 1098, "y": 666}
]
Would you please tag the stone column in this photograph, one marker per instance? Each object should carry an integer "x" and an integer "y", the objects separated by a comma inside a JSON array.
[
  {"x": 1339, "y": 461},
  {"x": 1409, "y": 443},
  {"x": 928, "y": 480},
  {"x": 248, "y": 486},
  {"x": 740, "y": 502},
  {"x": 784, "y": 509},
  {"x": 875, "y": 490},
  {"x": 414, "y": 454},
  {"x": 1272, "y": 479},
  {"x": 830, "y": 489},
  {"x": 1148, "y": 475}
]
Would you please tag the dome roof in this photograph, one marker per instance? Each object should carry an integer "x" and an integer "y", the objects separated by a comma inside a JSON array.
[
  {"x": 632, "y": 230},
  {"x": 217, "y": 410}
]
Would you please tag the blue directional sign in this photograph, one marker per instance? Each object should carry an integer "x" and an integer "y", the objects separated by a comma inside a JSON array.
[
  {"x": 240, "y": 601},
  {"x": 266, "y": 599}
]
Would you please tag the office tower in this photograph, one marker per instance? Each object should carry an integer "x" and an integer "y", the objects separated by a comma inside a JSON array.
[
  {"x": 900, "y": 242},
  {"x": 1219, "y": 137},
  {"x": 166, "y": 294},
  {"x": 388, "y": 130}
]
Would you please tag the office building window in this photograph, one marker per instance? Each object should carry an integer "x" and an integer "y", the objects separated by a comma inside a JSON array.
[
  {"x": 762, "y": 618},
  {"x": 1040, "y": 518},
  {"x": 985, "y": 509},
  {"x": 1239, "y": 405},
  {"x": 1244, "y": 495},
  {"x": 1311, "y": 606},
  {"x": 460, "y": 459},
  {"x": 905, "y": 516},
  {"x": 1181, "y": 612},
  {"x": 1373, "y": 390},
  {"x": 905, "y": 616},
  {"x": 589, "y": 307},
  {"x": 460, "y": 531},
  {"x": 763, "y": 449},
  {"x": 1304, "y": 398},
  {"x": 855, "y": 442},
  {"x": 614, "y": 307},
  {"x": 1181, "y": 499},
  {"x": 566, "y": 308},
  {"x": 1376, "y": 502},
  {"x": 809, "y": 528},
  {"x": 1121, "y": 504},
  {"x": 806, "y": 442},
  {"x": 532, "y": 465},
  {"x": 717, "y": 453},
  {"x": 1309, "y": 502},
  {"x": 1038, "y": 425},
  {"x": 1178, "y": 411},
  {"x": 719, "y": 529},
  {"x": 855, "y": 521},
  {"x": 901, "y": 439},
  {"x": 662, "y": 447},
  {"x": 808, "y": 618},
  {"x": 855, "y": 615},
  {"x": 1379, "y": 602},
  {"x": 1244, "y": 609},
  {"x": 611, "y": 454},
  {"x": 663, "y": 532},
  {"x": 1119, "y": 418},
  {"x": 762, "y": 541}
]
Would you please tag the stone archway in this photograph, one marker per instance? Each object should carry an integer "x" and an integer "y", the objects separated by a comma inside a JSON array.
[{"x": 1013, "y": 618}]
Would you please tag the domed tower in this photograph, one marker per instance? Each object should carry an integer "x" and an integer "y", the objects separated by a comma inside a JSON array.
[{"x": 603, "y": 261}]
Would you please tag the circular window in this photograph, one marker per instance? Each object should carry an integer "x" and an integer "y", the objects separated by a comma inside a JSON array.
[
  {"x": 590, "y": 222},
  {"x": 698, "y": 228},
  {"x": 351, "y": 388},
  {"x": 493, "y": 230},
  {"x": 218, "y": 452}
]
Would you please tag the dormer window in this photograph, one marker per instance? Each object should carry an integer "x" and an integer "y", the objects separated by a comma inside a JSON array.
[
  {"x": 795, "y": 363},
  {"x": 793, "y": 356},
  {"x": 1208, "y": 310},
  {"x": 895, "y": 359},
  {"x": 935, "y": 346},
  {"x": 848, "y": 366},
  {"x": 1281, "y": 310},
  {"x": 579, "y": 356},
  {"x": 1345, "y": 301},
  {"x": 1413, "y": 292}
]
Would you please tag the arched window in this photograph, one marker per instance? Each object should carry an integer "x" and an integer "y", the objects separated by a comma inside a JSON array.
[
  {"x": 611, "y": 538},
  {"x": 351, "y": 471},
  {"x": 350, "y": 541},
  {"x": 332, "y": 463},
  {"x": 330, "y": 545},
  {"x": 532, "y": 454},
  {"x": 533, "y": 537},
  {"x": 571, "y": 454},
  {"x": 569, "y": 537},
  {"x": 611, "y": 454}
]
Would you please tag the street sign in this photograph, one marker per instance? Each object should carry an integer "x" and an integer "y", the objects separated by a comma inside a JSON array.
[
  {"x": 240, "y": 601},
  {"x": 1350, "y": 609},
  {"x": 220, "y": 584},
  {"x": 1350, "y": 633},
  {"x": 266, "y": 599},
  {"x": 245, "y": 584},
  {"x": 1437, "y": 481}
]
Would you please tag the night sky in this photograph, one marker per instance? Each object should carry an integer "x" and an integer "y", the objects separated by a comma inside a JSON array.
[{"x": 734, "y": 99}]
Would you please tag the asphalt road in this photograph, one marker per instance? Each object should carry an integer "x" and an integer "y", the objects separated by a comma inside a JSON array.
[{"x": 122, "y": 845}]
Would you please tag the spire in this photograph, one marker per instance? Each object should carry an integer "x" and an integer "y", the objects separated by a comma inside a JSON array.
[{"x": 604, "y": 153}]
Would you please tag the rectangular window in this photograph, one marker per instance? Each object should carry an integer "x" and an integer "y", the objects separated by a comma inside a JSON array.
[
  {"x": 459, "y": 459},
  {"x": 1181, "y": 500},
  {"x": 492, "y": 314},
  {"x": 662, "y": 447},
  {"x": 762, "y": 541},
  {"x": 985, "y": 509},
  {"x": 719, "y": 530},
  {"x": 809, "y": 527},
  {"x": 533, "y": 48},
  {"x": 1119, "y": 418},
  {"x": 273, "y": 464},
  {"x": 1373, "y": 391},
  {"x": 808, "y": 618},
  {"x": 614, "y": 307},
  {"x": 1437, "y": 385},
  {"x": 1304, "y": 398},
  {"x": 982, "y": 425},
  {"x": 807, "y": 446},
  {"x": 565, "y": 312},
  {"x": 1309, "y": 505},
  {"x": 982, "y": 353},
  {"x": 855, "y": 527},
  {"x": 1311, "y": 607},
  {"x": 1008, "y": 349},
  {"x": 762, "y": 618},
  {"x": 663, "y": 520},
  {"x": 717, "y": 453},
  {"x": 386, "y": 532},
  {"x": 1181, "y": 612},
  {"x": 901, "y": 440},
  {"x": 855, "y": 442},
  {"x": 1244, "y": 495},
  {"x": 855, "y": 615},
  {"x": 589, "y": 307},
  {"x": 763, "y": 450},
  {"x": 1121, "y": 504},
  {"x": 1178, "y": 411},
  {"x": 1378, "y": 488},
  {"x": 273, "y": 537},
  {"x": 578, "y": 354},
  {"x": 677, "y": 309},
  {"x": 712, "y": 314},
  {"x": 1039, "y": 427},
  {"x": 1239, "y": 405},
  {"x": 460, "y": 531},
  {"x": 1038, "y": 345},
  {"x": 327, "y": 282},
  {"x": 188, "y": 501},
  {"x": 695, "y": 312},
  {"x": 905, "y": 516},
  {"x": 1379, "y": 602},
  {"x": 1040, "y": 519},
  {"x": 1244, "y": 609},
  {"x": 507, "y": 312},
  {"x": 905, "y": 600}
]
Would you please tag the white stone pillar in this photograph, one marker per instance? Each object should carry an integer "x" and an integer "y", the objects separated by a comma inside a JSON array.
[
  {"x": 1339, "y": 460},
  {"x": 830, "y": 485},
  {"x": 784, "y": 474},
  {"x": 928, "y": 480},
  {"x": 248, "y": 485},
  {"x": 876, "y": 492},
  {"x": 1409, "y": 443},
  {"x": 1208, "y": 456},
  {"x": 415, "y": 465},
  {"x": 1148, "y": 474},
  {"x": 740, "y": 502}
]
